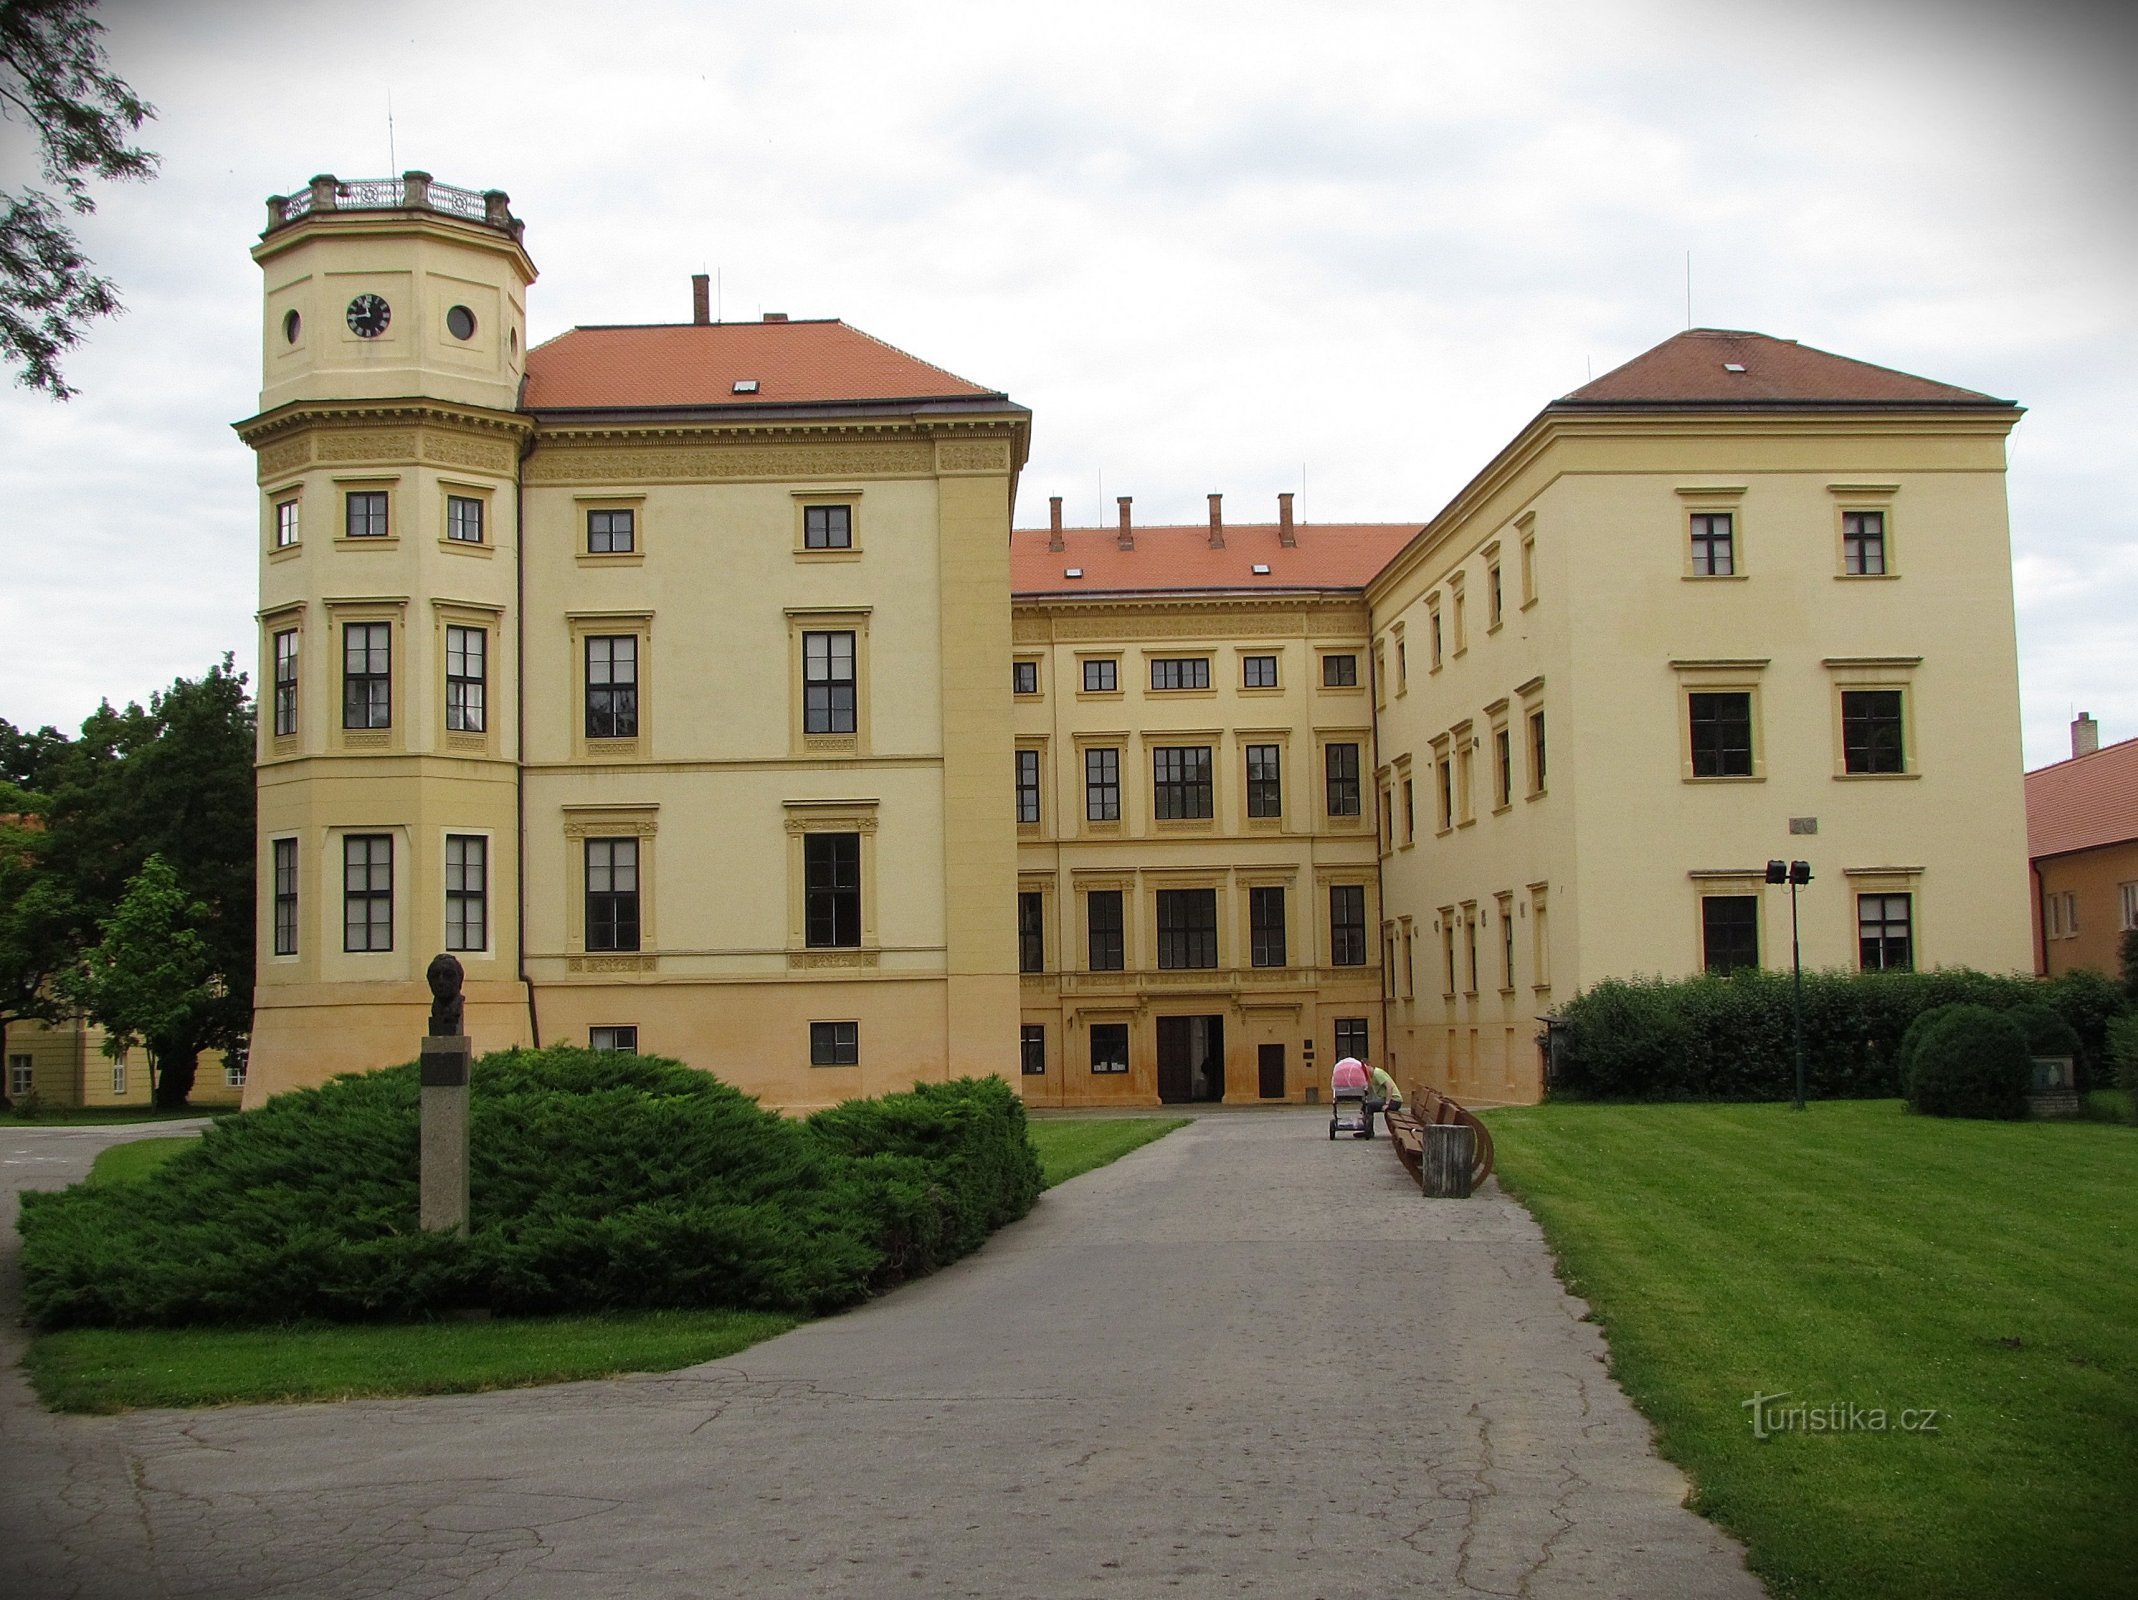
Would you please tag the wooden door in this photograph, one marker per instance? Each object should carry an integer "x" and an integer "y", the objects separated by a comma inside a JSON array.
[
  {"x": 1176, "y": 1061},
  {"x": 1270, "y": 1060}
]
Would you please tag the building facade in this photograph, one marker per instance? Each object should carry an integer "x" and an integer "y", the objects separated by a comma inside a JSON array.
[
  {"x": 65, "y": 1064},
  {"x": 2082, "y": 840}
]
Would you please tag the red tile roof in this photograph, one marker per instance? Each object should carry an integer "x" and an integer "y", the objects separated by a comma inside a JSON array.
[
  {"x": 699, "y": 364},
  {"x": 1693, "y": 368},
  {"x": 1340, "y": 555},
  {"x": 2084, "y": 802}
]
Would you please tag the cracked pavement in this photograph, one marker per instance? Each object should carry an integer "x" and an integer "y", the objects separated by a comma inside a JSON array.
[{"x": 1242, "y": 1361}]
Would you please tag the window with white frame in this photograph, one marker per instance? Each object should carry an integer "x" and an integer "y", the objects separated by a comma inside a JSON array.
[
  {"x": 463, "y": 519},
  {"x": 466, "y": 679},
  {"x": 614, "y": 1040},
  {"x": 1885, "y": 932},
  {"x": 21, "y": 1075},
  {"x": 287, "y": 528},
  {"x": 2129, "y": 894},
  {"x": 1714, "y": 535},
  {"x": 285, "y": 683}
]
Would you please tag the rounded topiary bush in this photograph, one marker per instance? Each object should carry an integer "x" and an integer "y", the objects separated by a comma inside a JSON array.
[
  {"x": 2046, "y": 1031},
  {"x": 1967, "y": 1061}
]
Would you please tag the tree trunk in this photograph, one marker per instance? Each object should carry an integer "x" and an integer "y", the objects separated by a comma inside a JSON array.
[{"x": 174, "y": 1078}]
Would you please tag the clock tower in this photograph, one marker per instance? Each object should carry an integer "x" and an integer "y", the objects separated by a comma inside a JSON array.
[{"x": 388, "y": 443}]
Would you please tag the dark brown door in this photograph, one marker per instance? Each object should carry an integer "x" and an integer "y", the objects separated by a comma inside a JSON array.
[
  {"x": 1270, "y": 1059},
  {"x": 1176, "y": 1061}
]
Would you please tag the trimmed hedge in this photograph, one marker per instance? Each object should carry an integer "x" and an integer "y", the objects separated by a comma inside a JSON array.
[
  {"x": 1729, "y": 1038},
  {"x": 1970, "y": 1061},
  {"x": 2123, "y": 1052},
  {"x": 597, "y": 1182}
]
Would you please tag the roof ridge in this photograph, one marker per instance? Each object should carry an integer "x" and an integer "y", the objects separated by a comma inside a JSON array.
[{"x": 2072, "y": 761}]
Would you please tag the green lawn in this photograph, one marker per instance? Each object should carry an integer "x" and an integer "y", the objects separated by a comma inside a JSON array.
[
  {"x": 128, "y": 1163},
  {"x": 94, "y": 1117},
  {"x": 1857, "y": 1256},
  {"x": 1071, "y": 1146}
]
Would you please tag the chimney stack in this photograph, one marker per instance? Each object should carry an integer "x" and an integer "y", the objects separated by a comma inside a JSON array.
[
  {"x": 1054, "y": 523},
  {"x": 1126, "y": 540},
  {"x": 1285, "y": 536},
  {"x": 1217, "y": 522},
  {"x": 2085, "y": 735},
  {"x": 701, "y": 298}
]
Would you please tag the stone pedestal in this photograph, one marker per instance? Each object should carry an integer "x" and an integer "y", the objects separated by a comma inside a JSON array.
[
  {"x": 444, "y": 1203},
  {"x": 1450, "y": 1149}
]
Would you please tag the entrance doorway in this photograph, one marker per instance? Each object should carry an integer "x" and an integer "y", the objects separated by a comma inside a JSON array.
[
  {"x": 1269, "y": 1065},
  {"x": 1191, "y": 1059}
]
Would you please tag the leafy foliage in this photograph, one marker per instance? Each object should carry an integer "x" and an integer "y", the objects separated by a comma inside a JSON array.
[
  {"x": 148, "y": 976},
  {"x": 1969, "y": 1061},
  {"x": 2123, "y": 1052},
  {"x": 35, "y": 914}
]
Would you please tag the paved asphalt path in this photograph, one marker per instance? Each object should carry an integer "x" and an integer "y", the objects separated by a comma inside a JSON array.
[{"x": 1243, "y": 1361}]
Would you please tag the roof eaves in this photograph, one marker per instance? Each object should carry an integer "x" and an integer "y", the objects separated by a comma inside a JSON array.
[{"x": 926, "y": 405}]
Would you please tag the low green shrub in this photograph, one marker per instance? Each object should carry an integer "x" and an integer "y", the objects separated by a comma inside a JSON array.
[
  {"x": 2123, "y": 1052},
  {"x": 597, "y": 1182},
  {"x": 2045, "y": 1031},
  {"x": 1969, "y": 1061}
]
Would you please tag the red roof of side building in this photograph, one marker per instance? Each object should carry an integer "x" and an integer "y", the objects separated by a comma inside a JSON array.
[
  {"x": 1722, "y": 366},
  {"x": 698, "y": 364},
  {"x": 2087, "y": 801},
  {"x": 1329, "y": 555}
]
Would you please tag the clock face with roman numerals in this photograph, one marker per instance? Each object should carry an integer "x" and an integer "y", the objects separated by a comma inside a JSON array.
[{"x": 368, "y": 316}]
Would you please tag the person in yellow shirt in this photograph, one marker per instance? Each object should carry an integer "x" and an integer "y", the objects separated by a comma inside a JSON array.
[{"x": 1381, "y": 1095}]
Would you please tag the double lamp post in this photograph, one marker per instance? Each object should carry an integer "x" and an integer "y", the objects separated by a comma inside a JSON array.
[{"x": 1796, "y": 874}]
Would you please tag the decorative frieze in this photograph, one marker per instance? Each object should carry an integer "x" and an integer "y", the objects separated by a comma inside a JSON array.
[
  {"x": 458, "y": 450},
  {"x": 813, "y": 960},
  {"x": 687, "y": 463},
  {"x": 368, "y": 444},
  {"x": 279, "y": 459},
  {"x": 973, "y": 455},
  {"x": 612, "y": 964}
]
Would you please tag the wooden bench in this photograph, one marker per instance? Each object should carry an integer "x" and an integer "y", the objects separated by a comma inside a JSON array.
[{"x": 1406, "y": 1135}]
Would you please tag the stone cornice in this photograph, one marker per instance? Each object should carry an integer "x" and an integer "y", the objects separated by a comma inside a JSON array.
[{"x": 297, "y": 415}]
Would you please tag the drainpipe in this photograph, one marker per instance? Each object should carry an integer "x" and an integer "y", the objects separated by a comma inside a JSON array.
[
  {"x": 519, "y": 709},
  {"x": 1380, "y": 871}
]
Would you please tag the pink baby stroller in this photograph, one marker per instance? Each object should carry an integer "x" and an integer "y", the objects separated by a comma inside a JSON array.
[{"x": 1347, "y": 1100}]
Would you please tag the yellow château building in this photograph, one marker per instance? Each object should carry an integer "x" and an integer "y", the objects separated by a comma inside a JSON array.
[
  {"x": 658, "y": 672},
  {"x": 66, "y": 1064}
]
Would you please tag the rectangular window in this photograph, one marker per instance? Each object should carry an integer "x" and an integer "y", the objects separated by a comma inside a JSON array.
[
  {"x": 1729, "y": 931},
  {"x": 463, "y": 519},
  {"x": 1433, "y": 638},
  {"x": 1410, "y": 810},
  {"x": 118, "y": 1076},
  {"x": 1109, "y": 1047},
  {"x": 1351, "y": 1038},
  {"x": 1871, "y": 731},
  {"x": 1347, "y": 925},
  {"x": 612, "y": 533},
  {"x": 1447, "y": 952},
  {"x": 1027, "y": 786},
  {"x": 1102, "y": 918},
  {"x": 1885, "y": 933},
  {"x": 286, "y": 682},
  {"x": 1714, "y": 544},
  {"x": 1494, "y": 603},
  {"x": 21, "y": 1076},
  {"x": 367, "y": 891},
  {"x": 834, "y": 1044},
  {"x": 367, "y": 675},
  {"x": 827, "y": 527},
  {"x": 1502, "y": 767},
  {"x": 2129, "y": 895},
  {"x": 1031, "y": 932},
  {"x": 828, "y": 692},
  {"x": 1339, "y": 672},
  {"x": 1721, "y": 731},
  {"x": 1536, "y": 752},
  {"x": 1341, "y": 766},
  {"x": 1181, "y": 672},
  {"x": 286, "y": 525},
  {"x": 831, "y": 890},
  {"x": 1402, "y": 666},
  {"x": 1265, "y": 785},
  {"x": 1258, "y": 672},
  {"x": 1469, "y": 933},
  {"x": 234, "y": 1074},
  {"x": 1187, "y": 928},
  {"x": 1863, "y": 543},
  {"x": 1180, "y": 782},
  {"x": 615, "y": 1041},
  {"x": 1102, "y": 785},
  {"x": 1265, "y": 920},
  {"x": 1444, "y": 784},
  {"x": 1506, "y": 943},
  {"x": 366, "y": 513},
  {"x": 1024, "y": 677},
  {"x": 285, "y": 852},
  {"x": 467, "y": 891},
  {"x": 612, "y": 894},
  {"x": 466, "y": 679},
  {"x": 1101, "y": 677},
  {"x": 612, "y": 686},
  {"x": 1032, "y": 1050}
]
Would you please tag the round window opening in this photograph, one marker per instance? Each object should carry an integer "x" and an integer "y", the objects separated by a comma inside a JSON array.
[
  {"x": 460, "y": 322},
  {"x": 291, "y": 325}
]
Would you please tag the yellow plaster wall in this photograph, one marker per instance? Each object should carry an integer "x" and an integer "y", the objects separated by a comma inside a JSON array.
[{"x": 2097, "y": 878}]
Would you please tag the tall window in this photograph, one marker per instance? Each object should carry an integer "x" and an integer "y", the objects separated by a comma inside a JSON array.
[
  {"x": 463, "y": 519},
  {"x": 1032, "y": 1050},
  {"x": 1444, "y": 780},
  {"x": 2129, "y": 895},
  {"x": 612, "y": 686},
  {"x": 1714, "y": 544},
  {"x": 1871, "y": 731},
  {"x": 1341, "y": 762},
  {"x": 1024, "y": 677},
  {"x": 612, "y": 894},
  {"x": 466, "y": 677},
  {"x": 467, "y": 892},
  {"x": 827, "y": 527},
  {"x": 1863, "y": 543},
  {"x": 1447, "y": 951},
  {"x": 1339, "y": 672},
  {"x": 1721, "y": 734},
  {"x": 1885, "y": 933},
  {"x": 1102, "y": 918},
  {"x": 367, "y": 891},
  {"x": 365, "y": 513},
  {"x": 1109, "y": 1047},
  {"x": 1502, "y": 767},
  {"x": 1494, "y": 601},
  {"x": 1187, "y": 928},
  {"x": 21, "y": 1075},
  {"x": 1265, "y": 786},
  {"x": 1184, "y": 672},
  {"x": 1027, "y": 786},
  {"x": 1351, "y": 1038},
  {"x": 285, "y": 852},
  {"x": 367, "y": 675},
  {"x": 1031, "y": 932},
  {"x": 286, "y": 524},
  {"x": 1536, "y": 752},
  {"x": 1258, "y": 672},
  {"x": 1180, "y": 782},
  {"x": 612, "y": 532},
  {"x": 1265, "y": 922},
  {"x": 1347, "y": 925},
  {"x": 828, "y": 693},
  {"x": 1102, "y": 785},
  {"x": 1434, "y": 638},
  {"x": 1410, "y": 810},
  {"x": 1729, "y": 932},
  {"x": 831, "y": 890},
  {"x": 834, "y": 1044},
  {"x": 286, "y": 682},
  {"x": 1101, "y": 677}
]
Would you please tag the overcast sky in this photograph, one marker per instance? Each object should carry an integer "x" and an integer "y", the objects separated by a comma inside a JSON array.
[{"x": 1345, "y": 249}]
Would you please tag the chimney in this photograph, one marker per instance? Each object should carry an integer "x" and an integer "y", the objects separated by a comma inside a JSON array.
[
  {"x": 2085, "y": 735},
  {"x": 1285, "y": 536},
  {"x": 1054, "y": 523},
  {"x": 701, "y": 298},
  {"x": 1126, "y": 540},
  {"x": 1217, "y": 522}
]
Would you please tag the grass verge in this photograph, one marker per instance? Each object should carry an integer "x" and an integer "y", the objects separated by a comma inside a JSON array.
[
  {"x": 1070, "y": 1147},
  {"x": 133, "y": 1161},
  {"x": 117, "y": 1116},
  {"x": 1862, "y": 1261}
]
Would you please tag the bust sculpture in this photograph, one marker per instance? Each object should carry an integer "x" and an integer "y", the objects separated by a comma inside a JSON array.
[{"x": 445, "y": 976}]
